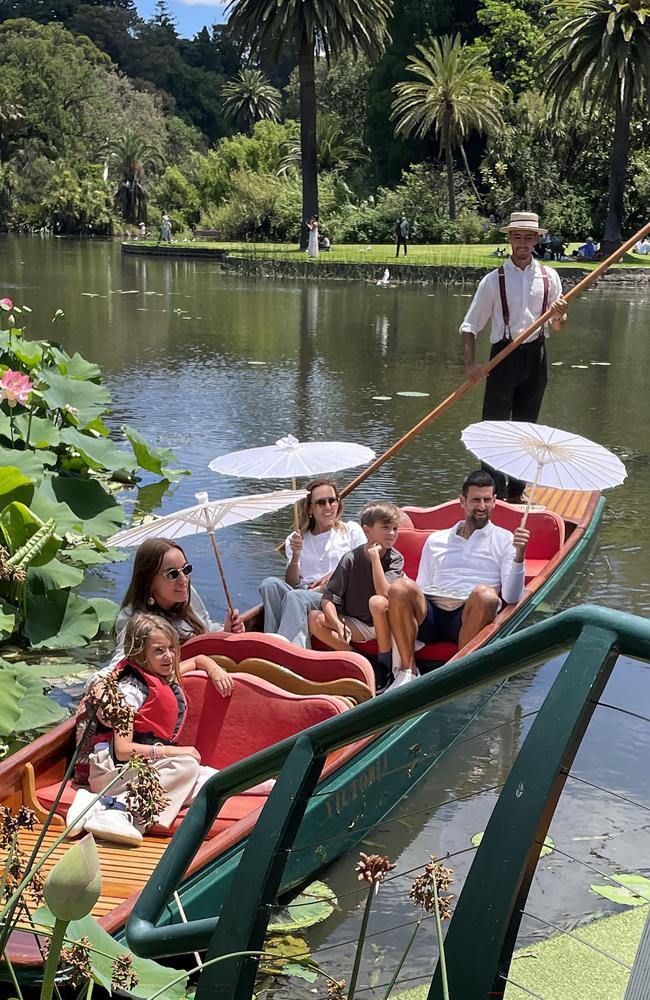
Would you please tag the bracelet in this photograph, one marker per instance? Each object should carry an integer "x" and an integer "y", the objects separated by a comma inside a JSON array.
[{"x": 154, "y": 751}]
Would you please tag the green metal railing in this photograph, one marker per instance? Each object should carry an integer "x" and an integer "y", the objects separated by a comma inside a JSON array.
[{"x": 494, "y": 893}]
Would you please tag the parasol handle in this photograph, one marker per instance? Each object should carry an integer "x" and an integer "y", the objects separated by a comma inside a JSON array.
[
  {"x": 295, "y": 506},
  {"x": 530, "y": 495},
  {"x": 490, "y": 365},
  {"x": 217, "y": 555}
]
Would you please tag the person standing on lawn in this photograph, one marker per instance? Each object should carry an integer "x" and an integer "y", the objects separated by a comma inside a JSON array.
[
  {"x": 511, "y": 298},
  {"x": 402, "y": 234}
]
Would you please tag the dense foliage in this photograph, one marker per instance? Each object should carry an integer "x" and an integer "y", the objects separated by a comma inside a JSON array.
[
  {"x": 108, "y": 119},
  {"x": 59, "y": 470}
]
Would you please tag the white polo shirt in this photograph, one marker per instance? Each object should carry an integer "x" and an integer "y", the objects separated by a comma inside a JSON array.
[
  {"x": 525, "y": 295},
  {"x": 451, "y": 566}
]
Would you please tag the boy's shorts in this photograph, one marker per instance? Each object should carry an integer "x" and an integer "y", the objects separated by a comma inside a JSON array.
[
  {"x": 365, "y": 630},
  {"x": 439, "y": 625}
]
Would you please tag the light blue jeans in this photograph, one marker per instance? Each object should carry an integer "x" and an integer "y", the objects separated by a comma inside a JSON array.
[{"x": 286, "y": 608}]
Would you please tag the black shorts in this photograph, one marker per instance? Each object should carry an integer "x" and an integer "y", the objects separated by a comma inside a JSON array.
[{"x": 439, "y": 625}]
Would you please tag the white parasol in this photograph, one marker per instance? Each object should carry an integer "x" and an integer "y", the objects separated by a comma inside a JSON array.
[
  {"x": 209, "y": 516},
  {"x": 290, "y": 458},
  {"x": 544, "y": 456}
]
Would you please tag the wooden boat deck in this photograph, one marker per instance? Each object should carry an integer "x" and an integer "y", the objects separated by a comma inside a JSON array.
[
  {"x": 569, "y": 504},
  {"x": 125, "y": 870}
]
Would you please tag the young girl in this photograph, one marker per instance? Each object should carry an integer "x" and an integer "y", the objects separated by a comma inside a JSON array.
[{"x": 149, "y": 682}]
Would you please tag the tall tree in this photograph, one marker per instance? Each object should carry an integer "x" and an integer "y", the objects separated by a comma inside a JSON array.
[
  {"x": 132, "y": 157},
  {"x": 331, "y": 26},
  {"x": 454, "y": 95},
  {"x": 601, "y": 49},
  {"x": 250, "y": 98}
]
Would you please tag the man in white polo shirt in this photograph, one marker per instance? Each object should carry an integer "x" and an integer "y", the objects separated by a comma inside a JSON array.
[
  {"x": 462, "y": 572},
  {"x": 512, "y": 297}
]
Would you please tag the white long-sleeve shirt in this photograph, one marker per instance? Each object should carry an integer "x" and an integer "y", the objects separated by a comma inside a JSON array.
[
  {"x": 525, "y": 295},
  {"x": 451, "y": 566}
]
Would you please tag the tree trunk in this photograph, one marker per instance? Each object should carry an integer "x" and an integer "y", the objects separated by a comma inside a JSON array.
[
  {"x": 450, "y": 181},
  {"x": 617, "y": 173},
  {"x": 469, "y": 174},
  {"x": 308, "y": 155}
]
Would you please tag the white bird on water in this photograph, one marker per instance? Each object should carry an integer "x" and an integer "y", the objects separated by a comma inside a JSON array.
[{"x": 385, "y": 280}]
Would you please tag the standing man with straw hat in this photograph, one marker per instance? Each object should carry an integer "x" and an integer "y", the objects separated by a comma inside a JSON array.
[{"x": 512, "y": 297}]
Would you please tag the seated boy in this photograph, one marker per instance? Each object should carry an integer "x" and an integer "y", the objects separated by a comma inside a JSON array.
[{"x": 355, "y": 601}]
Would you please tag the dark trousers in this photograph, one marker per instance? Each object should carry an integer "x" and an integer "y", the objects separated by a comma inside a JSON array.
[
  {"x": 401, "y": 241},
  {"x": 514, "y": 391}
]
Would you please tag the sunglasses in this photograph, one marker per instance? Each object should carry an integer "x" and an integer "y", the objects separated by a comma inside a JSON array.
[
  {"x": 326, "y": 501},
  {"x": 173, "y": 574}
]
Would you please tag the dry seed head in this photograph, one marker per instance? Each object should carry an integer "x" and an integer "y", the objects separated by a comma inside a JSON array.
[
  {"x": 372, "y": 868},
  {"x": 422, "y": 890}
]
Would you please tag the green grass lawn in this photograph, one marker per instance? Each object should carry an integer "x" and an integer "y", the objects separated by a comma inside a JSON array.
[{"x": 454, "y": 255}]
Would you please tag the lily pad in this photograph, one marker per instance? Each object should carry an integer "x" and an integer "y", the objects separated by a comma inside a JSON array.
[
  {"x": 382, "y": 398},
  {"x": 316, "y": 903},
  {"x": 635, "y": 890},
  {"x": 151, "y": 976},
  {"x": 291, "y": 954},
  {"x": 549, "y": 844},
  {"x": 80, "y": 555},
  {"x": 412, "y": 393}
]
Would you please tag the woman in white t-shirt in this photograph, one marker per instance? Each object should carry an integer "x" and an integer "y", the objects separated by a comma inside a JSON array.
[{"x": 313, "y": 553}]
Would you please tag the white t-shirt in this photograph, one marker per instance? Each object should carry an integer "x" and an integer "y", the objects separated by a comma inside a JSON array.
[
  {"x": 451, "y": 566},
  {"x": 525, "y": 295},
  {"x": 322, "y": 553}
]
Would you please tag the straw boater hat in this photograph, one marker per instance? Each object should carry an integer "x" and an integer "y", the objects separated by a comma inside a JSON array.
[{"x": 527, "y": 221}]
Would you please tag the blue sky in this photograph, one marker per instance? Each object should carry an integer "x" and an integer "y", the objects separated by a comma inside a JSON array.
[{"x": 190, "y": 15}]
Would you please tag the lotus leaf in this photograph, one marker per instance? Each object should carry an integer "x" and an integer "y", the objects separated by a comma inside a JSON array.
[
  {"x": 11, "y": 692},
  {"x": 59, "y": 619},
  {"x": 83, "y": 400},
  {"x": 635, "y": 890},
  {"x": 98, "y": 453},
  {"x": 37, "y": 709},
  {"x": 153, "y": 459},
  {"x": 7, "y": 622},
  {"x": 19, "y": 524},
  {"x": 152, "y": 977},
  {"x": 78, "y": 505},
  {"x": 52, "y": 576},
  {"x": 107, "y": 611},
  {"x": 28, "y": 352},
  {"x": 315, "y": 903},
  {"x": 42, "y": 433},
  {"x": 98, "y": 426},
  {"x": 31, "y": 464},
  {"x": 14, "y": 485},
  {"x": 77, "y": 367},
  {"x": 80, "y": 555}
]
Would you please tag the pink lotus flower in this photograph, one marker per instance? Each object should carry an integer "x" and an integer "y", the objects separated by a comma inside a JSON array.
[
  {"x": 6, "y": 304},
  {"x": 15, "y": 388}
]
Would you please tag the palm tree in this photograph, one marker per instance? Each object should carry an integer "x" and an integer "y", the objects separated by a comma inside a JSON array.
[
  {"x": 132, "y": 157},
  {"x": 250, "y": 98},
  {"x": 305, "y": 26},
  {"x": 335, "y": 148},
  {"x": 602, "y": 51},
  {"x": 455, "y": 95}
]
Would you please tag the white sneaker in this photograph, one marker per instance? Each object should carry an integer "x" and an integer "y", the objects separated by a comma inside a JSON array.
[
  {"x": 80, "y": 802},
  {"x": 115, "y": 825},
  {"x": 403, "y": 677}
]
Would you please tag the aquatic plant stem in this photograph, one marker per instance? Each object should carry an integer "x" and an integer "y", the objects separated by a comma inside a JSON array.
[
  {"x": 12, "y": 974},
  {"x": 402, "y": 959},
  {"x": 441, "y": 942},
  {"x": 29, "y": 426},
  {"x": 52, "y": 963},
  {"x": 362, "y": 937}
]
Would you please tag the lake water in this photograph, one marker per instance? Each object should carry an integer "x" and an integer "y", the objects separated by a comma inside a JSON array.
[{"x": 205, "y": 362}]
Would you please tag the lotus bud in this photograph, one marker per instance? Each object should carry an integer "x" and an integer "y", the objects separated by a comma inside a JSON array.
[
  {"x": 74, "y": 885},
  {"x": 11, "y": 321}
]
